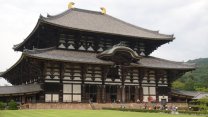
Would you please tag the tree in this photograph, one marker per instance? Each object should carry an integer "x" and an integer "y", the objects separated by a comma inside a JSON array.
[
  {"x": 202, "y": 89},
  {"x": 12, "y": 105},
  {"x": 178, "y": 85},
  {"x": 203, "y": 103},
  {"x": 2, "y": 106}
]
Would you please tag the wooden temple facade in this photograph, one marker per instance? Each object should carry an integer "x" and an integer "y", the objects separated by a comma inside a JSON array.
[{"x": 89, "y": 56}]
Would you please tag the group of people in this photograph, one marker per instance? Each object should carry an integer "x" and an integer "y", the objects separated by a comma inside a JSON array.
[{"x": 158, "y": 106}]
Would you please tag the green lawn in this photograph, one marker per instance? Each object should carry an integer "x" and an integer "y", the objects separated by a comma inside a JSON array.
[{"x": 83, "y": 113}]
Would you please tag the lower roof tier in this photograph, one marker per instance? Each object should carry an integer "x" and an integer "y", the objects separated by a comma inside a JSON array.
[
  {"x": 20, "y": 89},
  {"x": 91, "y": 58}
]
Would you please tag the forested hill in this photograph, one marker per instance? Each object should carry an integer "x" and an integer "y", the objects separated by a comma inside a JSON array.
[
  {"x": 201, "y": 62},
  {"x": 196, "y": 80}
]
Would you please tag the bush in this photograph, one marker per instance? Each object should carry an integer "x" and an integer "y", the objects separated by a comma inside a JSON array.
[
  {"x": 158, "y": 111},
  {"x": 138, "y": 110},
  {"x": 12, "y": 105},
  {"x": 195, "y": 112},
  {"x": 2, "y": 106}
]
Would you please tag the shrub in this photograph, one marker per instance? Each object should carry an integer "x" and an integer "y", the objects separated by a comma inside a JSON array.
[
  {"x": 158, "y": 111},
  {"x": 12, "y": 105},
  {"x": 138, "y": 110},
  {"x": 194, "y": 112},
  {"x": 200, "y": 104},
  {"x": 2, "y": 106},
  {"x": 203, "y": 103}
]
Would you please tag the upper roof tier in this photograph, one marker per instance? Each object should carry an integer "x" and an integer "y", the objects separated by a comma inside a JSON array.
[
  {"x": 98, "y": 22},
  {"x": 88, "y": 21}
]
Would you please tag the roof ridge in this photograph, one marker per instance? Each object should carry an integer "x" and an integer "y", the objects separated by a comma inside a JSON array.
[
  {"x": 87, "y": 11},
  {"x": 49, "y": 17}
]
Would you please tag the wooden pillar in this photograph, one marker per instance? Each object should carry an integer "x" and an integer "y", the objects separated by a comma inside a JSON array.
[
  {"x": 169, "y": 81},
  {"x": 83, "y": 93},
  {"x": 136, "y": 96},
  {"x": 105, "y": 70},
  {"x": 23, "y": 99},
  {"x": 122, "y": 85},
  {"x": 119, "y": 93},
  {"x": 156, "y": 88},
  {"x": 98, "y": 96},
  {"x": 129, "y": 94},
  {"x": 83, "y": 89},
  {"x": 141, "y": 94},
  {"x": 141, "y": 75},
  {"x": 61, "y": 70},
  {"x": 103, "y": 95},
  {"x": 42, "y": 93},
  {"x": 123, "y": 94}
]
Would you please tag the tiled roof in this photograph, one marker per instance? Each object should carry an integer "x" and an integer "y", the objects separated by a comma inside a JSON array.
[
  {"x": 97, "y": 22},
  {"x": 201, "y": 95},
  {"x": 153, "y": 62},
  {"x": 20, "y": 89},
  {"x": 185, "y": 93},
  {"x": 192, "y": 94},
  {"x": 67, "y": 56},
  {"x": 90, "y": 57}
]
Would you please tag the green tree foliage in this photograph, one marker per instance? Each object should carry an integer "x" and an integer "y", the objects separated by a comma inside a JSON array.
[
  {"x": 196, "y": 80},
  {"x": 203, "y": 89},
  {"x": 178, "y": 85},
  {"x": 203, "y": 103},
  {"x": 12, "y": 105},
  {"x": 2, "y": 106}
]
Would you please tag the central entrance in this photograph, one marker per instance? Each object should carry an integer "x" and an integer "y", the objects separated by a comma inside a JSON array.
[
  {"x": 91, "y": 92},
  {"x": 111, "y": 93},
  {"x": 130, "y": 92}
]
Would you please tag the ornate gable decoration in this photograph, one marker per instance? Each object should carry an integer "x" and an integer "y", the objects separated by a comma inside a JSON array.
[{"x": 120, "y": 54}]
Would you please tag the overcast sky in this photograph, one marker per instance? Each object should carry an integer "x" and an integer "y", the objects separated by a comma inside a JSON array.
[{"x": 186, "y": 19}]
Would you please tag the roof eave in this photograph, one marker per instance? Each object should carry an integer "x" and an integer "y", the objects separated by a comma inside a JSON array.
[
  {"x": 184, "y": 69},
  {"x": 140, "y": 66},
  {"x": 13, "y": 66},
  {"x": 42, "y": 58},
  {"x": 18, "y": 46}
]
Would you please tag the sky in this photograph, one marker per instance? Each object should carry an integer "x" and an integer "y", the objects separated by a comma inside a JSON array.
[{"x": 186, "y": 19}]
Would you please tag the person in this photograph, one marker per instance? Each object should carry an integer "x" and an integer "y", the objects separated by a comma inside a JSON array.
[
  {"x": 155, "y": 106},
  {"x": 145, "y": 105},
  {"x": 138, "y": 100},
  {"x": 176, "y": 108}
]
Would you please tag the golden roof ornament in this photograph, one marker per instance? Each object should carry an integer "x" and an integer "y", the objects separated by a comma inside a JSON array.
[
  {"x": 71, "y": 5},
  {"x": 103, "y": 10}
]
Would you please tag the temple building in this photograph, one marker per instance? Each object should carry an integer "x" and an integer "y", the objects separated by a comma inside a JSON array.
[{"x": 89, "y": 56}]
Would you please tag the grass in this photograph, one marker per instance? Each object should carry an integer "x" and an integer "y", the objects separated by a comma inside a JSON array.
[{"x": 82, "y": 113}]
